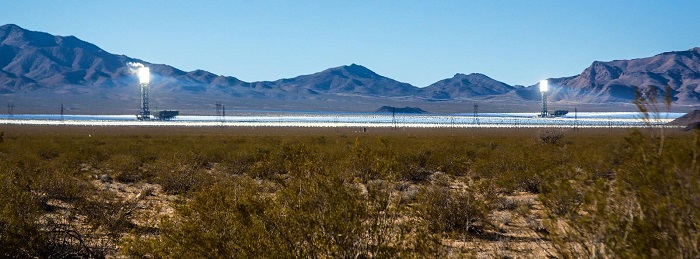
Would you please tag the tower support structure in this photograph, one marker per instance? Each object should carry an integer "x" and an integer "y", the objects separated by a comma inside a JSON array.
[
  {"x": 544, "y": 87},
  {"x": 544, "y": 112},
  {"x": 144, "y": 80},
  {"x": 144, "y": 112}
]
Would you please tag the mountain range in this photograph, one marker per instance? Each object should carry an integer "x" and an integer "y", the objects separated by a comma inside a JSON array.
[{"x": 36, "y": 68}]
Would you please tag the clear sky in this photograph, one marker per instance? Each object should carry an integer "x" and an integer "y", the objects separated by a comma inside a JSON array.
[{"x": 417, "y": 42}]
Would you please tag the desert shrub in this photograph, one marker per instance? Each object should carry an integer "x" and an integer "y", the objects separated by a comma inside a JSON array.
[
  {"x": 513, "y": 169},
  {"x": 52, "y": 180},
  {"x": 238, "y": 162},
  {"x": 506, "y": 203},
  {"x": 2, "y": 136},
  {"x": 550, "y": 135},
  {"x": 562, "y": 197},
  {"x": 195, "y": 158},
  {"x": 414, "y": 162},
  {"x": 388, "y": 232},
  {"x": 314, "y": 214},
  {"x": 24, "y": 233},
  {"x": 320, "y": 216},
  {"x": 283, "y": 159},
  {"x": 224, "y": 221},
  {"x": 298, "y": 159},
  {"x": 456, "y": 165},
  {"x": 664, "y": 183},
  {"x": 371, "y": 162},
  {"x": 64, "y": 241},
  {"x": 456, "y": 211},
  {"x": 648, "y": 208},
  {"x": 181, "y": 179},
  {"x": 20, "y": 235},
  {"x": 86, "y": 151},
  {"x": 109, "y": 214},
  {"x": 416, "y": 175},
  {"x": 377, "y": 195},
  {"x": 266, "y": 165},
  {"x": 126, "y": 168},
  {"x": 48, "y": 153}
]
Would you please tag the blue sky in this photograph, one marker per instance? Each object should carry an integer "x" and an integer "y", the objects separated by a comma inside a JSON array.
[{"x": 418, "y": 42}]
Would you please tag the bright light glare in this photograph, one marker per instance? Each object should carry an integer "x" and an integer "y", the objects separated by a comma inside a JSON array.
[
  {"x": 144, "y": 75},
  {"x": 544, "y": 86}
]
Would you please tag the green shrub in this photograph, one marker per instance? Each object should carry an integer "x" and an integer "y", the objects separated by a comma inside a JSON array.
[
  {"x": 126, "y": 168},
  {"x": 20, "y": 234},
  {"x": 550, "y": 135},
  {"x": 648, "y": 206},
  {"x": 109, "y": 214},
  {"x": 266, "y": 164},
  {"x": 381, "y": 195},
  {"x": 221, "y": 222},
  {"x": 374, "y": 162},
  {"x": 53, "y": 180},
  {"x": 456, "y": 211},
  {"x": 562, "y": 197},
  {"x": 314, "y": 214},
  {"x": 180, "y": 178}
]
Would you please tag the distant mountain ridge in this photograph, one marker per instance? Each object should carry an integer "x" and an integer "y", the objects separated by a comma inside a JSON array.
[
  {"x": 345, "y": 80},
  {"x": 465, "y": 86},
  {"x": 33, "y": 62},
  {"x": 616, "y": 80}
]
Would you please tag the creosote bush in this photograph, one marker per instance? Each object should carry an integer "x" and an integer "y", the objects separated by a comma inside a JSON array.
[
  {"x": 456, "y": 211},
  {"x": 339, "y": 194},
  {"x": 550, "y": 135},
  {"x": 321, "y": 216},
  {"x": 20, "y": 234}
]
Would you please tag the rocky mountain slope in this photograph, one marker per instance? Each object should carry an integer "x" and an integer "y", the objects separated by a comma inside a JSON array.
[
  {"x": 37, "y": 66},
  {"x": 32, "y": 60},
  {"x": 465, "y": 86},
  {"x": 36, "y": 60},
  {"x": 615, "y": 81},
  {"x": 690, "y": 118}
]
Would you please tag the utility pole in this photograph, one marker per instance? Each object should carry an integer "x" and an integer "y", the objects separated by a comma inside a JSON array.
[
  {"x": 393, "y": 116},
  {"x": 10, "y": 109},
  {"x": 476, "y": 113},
  {"x": 223, "y": 113},
  {"x": 575, "y": 119}
]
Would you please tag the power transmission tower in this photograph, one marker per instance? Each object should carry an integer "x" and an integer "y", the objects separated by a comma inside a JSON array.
[
  {"x": 575, "y": 119},
  {"x": 393, "y": 116},
  {"x": 10, "y": 109},
  {"x": 218, "y": 109}
]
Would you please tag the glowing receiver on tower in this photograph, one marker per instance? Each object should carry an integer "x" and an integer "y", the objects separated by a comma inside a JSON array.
[
  {"x": 144, "y": 75},
  {"x": 144, "y": 78},
  {"x": 544, "y": 87}
]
